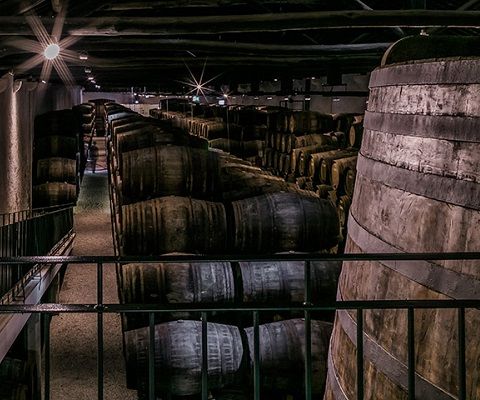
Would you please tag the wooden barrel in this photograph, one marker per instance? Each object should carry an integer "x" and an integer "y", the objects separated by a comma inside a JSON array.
[
  {"x": 55, "y": 146},
  {"x": 282, "y": 354},
  {"x": 56, "y": 123},
  {"x": 339, "y": 170},
  {"x": 54, "y": 193},
  {"x": 56, "y": 169},
  {"x": 252, "y": 148},
  {"x": 167, "y": 170},
  {"x": 419, "y": 174},
  {"x": 126, "y": 127},
  {"x": 178, "y": 356},
  {"x": 283, "y": 281},
  {"x": 315, "y": 163},
  {"x": 310, "y": 122},
  {"x": 172, "y": 283},
  {"x": 229, "y": 145},
  {"x": 327, "y": 162},
  {"x": 324, "y": 190},
  {"x": 299, "y": 157},
  {"x": 307, "y": 140},
  {"x": 282, "y": 222},
  {"x": 355, "y": 134},
  {"x": 349, "y": 183},
  {"x": 240, "y": 182},
  {"x": 174, "y": 224}
]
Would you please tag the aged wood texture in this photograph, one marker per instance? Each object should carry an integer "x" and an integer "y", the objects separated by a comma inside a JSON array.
[
  {"x": 174, "y": 224},
  {"x": 282, "y": 222},
  {"x": 282, "y": 352},
  {"x": 417, "y": 190},
  {"x": 178, "y": 356}
]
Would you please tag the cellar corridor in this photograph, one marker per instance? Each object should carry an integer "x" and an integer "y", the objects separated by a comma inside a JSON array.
[{"x": 73, "y": 336}]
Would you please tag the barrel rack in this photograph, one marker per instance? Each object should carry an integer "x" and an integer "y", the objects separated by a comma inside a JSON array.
[{"x": 100, "y": 308}]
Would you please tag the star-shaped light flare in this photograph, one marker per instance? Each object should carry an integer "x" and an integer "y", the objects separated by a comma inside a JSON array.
[
  {"x": 198, "y": 85},
  {"x": 53, "y": 57}
]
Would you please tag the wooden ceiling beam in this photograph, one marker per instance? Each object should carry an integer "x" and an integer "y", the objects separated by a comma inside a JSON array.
[{"x": 160, "y": 26}]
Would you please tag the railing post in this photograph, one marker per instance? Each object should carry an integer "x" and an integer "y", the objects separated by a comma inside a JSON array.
[
  {"x": 462, "y": 384},
  {"x": 204, "y": 356},
  {"x": 360, "y": 362},
  {"x": 46, "y": 334},
  {"x": 308, "y": 333},
  {"x": 256, "y": 356},
  {"x": 100, "y": 330},
  {"x": 411, "y": 353}
]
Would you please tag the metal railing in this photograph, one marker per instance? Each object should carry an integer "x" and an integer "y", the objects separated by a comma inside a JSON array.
[
  {"x": 255, "y": 310},
  {"x": 30, "y": 233}
]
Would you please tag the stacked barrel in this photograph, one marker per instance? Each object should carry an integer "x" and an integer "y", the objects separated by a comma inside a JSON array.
[
  {"x": 172, "y": 194},
  {"x": 318, "y": 152},
  {"x": 56, "y": 158},
  {"x": 85, "y": 114}
]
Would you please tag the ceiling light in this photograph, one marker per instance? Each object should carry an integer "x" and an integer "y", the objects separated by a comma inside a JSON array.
[
  {"x": 83, "y": 56},
  {"x": 51, "y": 51}
]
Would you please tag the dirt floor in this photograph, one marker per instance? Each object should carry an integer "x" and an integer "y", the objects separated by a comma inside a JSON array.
[{"x": 74, "y": 336}]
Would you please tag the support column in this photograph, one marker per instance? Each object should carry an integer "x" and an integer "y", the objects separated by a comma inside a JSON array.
[{"x": 15, "y": 145}]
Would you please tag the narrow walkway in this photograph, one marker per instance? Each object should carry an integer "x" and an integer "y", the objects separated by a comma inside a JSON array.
[{"x": 74, "y": 336}]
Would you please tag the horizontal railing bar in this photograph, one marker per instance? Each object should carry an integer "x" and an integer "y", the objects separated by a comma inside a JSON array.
[
  {"x": 206, "y": 307},
  {"x": 243, "y": 257}
]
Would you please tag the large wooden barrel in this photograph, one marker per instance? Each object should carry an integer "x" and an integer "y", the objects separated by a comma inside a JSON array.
[
  {"x": 168, "y": 170},
  {"x": 178, "y": 356},
  {"x": 55, "y": 146},
  {"x": 283, "y": 281},
  {"x": 54, "y": 193},
  {"x": 172, "y": 283},
  {"x": 299, "y": 157},
  {"x": 417, "y": 190},
  {"x": 56, "y": 169},
  {"x": 282, "y": 354},
  {"x": 174, "y": 224},
  {"x": 282, "y": 222}
]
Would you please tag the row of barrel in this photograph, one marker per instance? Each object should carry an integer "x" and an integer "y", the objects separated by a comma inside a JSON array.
[
  {"x": 147, "y": 162},
  {"x": 58, "y": 158},
  {"x": 230, "y": 354},
  {"x": 324, "y": 163}
]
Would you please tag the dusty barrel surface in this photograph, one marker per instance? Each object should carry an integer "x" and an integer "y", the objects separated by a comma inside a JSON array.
[
  {"x": 275, "y": 281},
  {"x": 54, "y": 193},
  {"x": 282, "y": 222},
  {"x": 174, "y": 224},
  {"x": 417, "y": 190},
  {"x": 170, "y": 283},
  {"x": 56, "y": 169},
  {"x": 55, "y": 146},
  {"x": 178, "y": 356},
  {"x": 168, "y": 170},
  {"x": 282, "y": 354}
]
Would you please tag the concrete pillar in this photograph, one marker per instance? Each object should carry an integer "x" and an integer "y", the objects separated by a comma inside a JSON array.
[{"x": 16, "y": 133}]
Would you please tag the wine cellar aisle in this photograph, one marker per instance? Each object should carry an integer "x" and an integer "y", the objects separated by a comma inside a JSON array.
[{"x": 73, "y": 336}]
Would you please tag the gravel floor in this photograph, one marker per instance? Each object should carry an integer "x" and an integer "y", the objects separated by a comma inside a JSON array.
[{"x": 74, "y": 336}]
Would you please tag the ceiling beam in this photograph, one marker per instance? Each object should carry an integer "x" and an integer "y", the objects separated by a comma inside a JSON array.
[
  {"x": 161, "y": 26},
  {"x": 161, "y": 45}
]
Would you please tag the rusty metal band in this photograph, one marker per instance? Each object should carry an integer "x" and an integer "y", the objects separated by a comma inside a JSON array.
[
  {"x": 332, "y": 378},
  {"x": 440, "y": 188},
  {"x": 388, "y": 365},
  {"x": 442, "y": 127},
  {"x": 428, "y": 274},
  {"x": 449, "y": 72}
]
